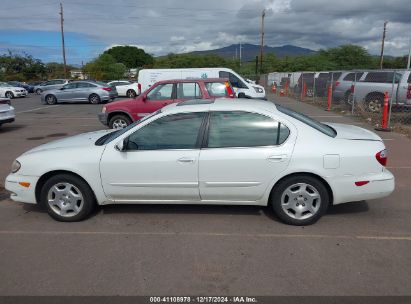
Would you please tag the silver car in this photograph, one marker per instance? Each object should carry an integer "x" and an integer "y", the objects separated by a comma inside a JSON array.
[
  {"x": 342, "y": 86},
  {"x": 50, "y": 85},
  {"x": 81, "y": 91}
]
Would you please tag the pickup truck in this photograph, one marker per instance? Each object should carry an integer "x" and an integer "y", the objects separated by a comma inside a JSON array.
[{"x": 370, "y": 88}]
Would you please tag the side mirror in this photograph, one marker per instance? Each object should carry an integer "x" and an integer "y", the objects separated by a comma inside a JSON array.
[
  {"x": 121, "y": 146},
  {"x": 144, "y": 98}
]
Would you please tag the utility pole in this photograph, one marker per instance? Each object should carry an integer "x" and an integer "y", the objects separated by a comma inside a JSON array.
[
  {"x": 62, "y": 39},
  {"x": 262, "y": 41},
  {"x": 409, "y": 57},
  {"x": 240, "y": 53},
  {"x": 382, "y": 45}
]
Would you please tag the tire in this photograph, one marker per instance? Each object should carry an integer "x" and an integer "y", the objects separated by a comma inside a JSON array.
[
  {"x": 298, "y": 208},
  {"x": 9, "y": 95},
  {"x": 51, "y": 99},
  {"x": 131, "y": 94},
  {"x": 374, "y": 104},
  {"x": 119, "y": 121},
  {"x": 94, "y": 99},
  {"x": 39, "y": 91},
  {"x": 67, "y": 198}
]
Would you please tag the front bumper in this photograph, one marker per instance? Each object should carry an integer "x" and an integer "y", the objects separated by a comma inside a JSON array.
[
  {"x": 103, "y": 117},
  {"x": 20, "y": 193},
  {"x": 7, "y": 116},
  {"x": 20, "y": 94}
]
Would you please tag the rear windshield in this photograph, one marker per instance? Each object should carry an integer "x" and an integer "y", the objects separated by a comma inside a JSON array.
[
  {"x": 216, "y": 89},
  {"x": 323, "y": 128}
]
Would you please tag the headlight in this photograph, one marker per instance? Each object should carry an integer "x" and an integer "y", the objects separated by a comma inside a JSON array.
[
  {"x": 258, "y": 90},
  {"x": 104, "y": 109},
  {"x": 15, "y": 166}
]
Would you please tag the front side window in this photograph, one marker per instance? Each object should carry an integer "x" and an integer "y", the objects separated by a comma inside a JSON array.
[
  {"x": 188, "y": 90},
  {"x": 235, "y": 81},
  {"x": 161, "y": 92},
  {"x": 179, "y": 131},
  {"x": 244, "y": 129},
  {"x": 70, "y": 86}
]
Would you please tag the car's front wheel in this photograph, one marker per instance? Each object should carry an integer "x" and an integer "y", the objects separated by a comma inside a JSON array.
[
  {"x": 67, "y": 198},
  {"x": 300, "y": 200},
  {"x": 9, "y": 95},
  {"x": 119, "y": 122},
  {"x": 39, "y": 91}
]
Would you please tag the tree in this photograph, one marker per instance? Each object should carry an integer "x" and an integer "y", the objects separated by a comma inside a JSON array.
[
  {"x": 130, "y": 56},
  {"x": 105, "y": 67},
  {"x": 348, "y": 57},
  {"x": 21, "y": 67}
]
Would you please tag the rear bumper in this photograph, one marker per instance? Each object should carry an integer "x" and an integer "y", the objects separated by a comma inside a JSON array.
[
  {"x": 103, "y": 117},
  {"x": 20, "y": 193},
  {"x": 379, "y": 186}
]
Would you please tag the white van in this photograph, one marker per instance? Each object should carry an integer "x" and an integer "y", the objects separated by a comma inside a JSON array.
[{"x": 148, "y": 77}]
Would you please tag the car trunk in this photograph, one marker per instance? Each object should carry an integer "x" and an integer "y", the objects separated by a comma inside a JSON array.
[{"x": 353, "y": 132}]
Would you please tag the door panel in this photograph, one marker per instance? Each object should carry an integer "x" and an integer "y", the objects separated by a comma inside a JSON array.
[
  {"x": 244, "y": 153},
  {"x": 150, "y": 175}
]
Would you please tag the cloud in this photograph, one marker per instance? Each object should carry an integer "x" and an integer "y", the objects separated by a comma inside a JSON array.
[{"x": 165, "y": 26}]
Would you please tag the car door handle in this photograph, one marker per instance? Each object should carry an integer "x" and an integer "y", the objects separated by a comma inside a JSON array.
[
  {"x": 276, "y": 158},
  {"x": 186, "y": 160}
]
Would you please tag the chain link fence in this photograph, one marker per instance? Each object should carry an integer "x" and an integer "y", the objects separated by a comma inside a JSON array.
[{"x": 382, "y": 97}]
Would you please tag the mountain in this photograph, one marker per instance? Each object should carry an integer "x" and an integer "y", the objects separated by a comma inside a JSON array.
[{"x": 250, "y": 51}]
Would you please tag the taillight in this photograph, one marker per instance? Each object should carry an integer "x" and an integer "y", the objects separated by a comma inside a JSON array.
[
  {"x": 230, "y": 91},
  {"x": 337, "y": 83},
  {"x": 382, "y": 157},
  {"x": 409, "y": 92},
  {"x": 107, "y": 89}
]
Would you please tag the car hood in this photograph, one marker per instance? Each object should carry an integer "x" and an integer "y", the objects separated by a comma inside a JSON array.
[
  {"x": 81, "y": 140},
  {"x": 353, "y": 132},
  {"x": 120, "y": 103}
]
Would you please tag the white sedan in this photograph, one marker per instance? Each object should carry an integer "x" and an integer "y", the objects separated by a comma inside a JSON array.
[
  {"x": 11, "y": 92},
  {"x": 7, "y": 113},
  {"x": 242, "y": 152},
  {"x": 126, "y": 88}
]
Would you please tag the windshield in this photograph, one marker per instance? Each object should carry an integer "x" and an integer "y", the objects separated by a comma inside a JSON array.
[
  {"x": 105, "y": 139},
  {"x": 323, "y": 128}
]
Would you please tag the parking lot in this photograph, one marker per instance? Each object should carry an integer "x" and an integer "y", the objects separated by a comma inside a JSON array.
[{"x": 360, "y": 248}]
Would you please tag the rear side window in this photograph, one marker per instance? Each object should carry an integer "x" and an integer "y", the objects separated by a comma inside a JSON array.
[
  {"x": 216, "y": 89},
  {"x": 188, "y": 90},
  {"x": 244, "y": 129}
]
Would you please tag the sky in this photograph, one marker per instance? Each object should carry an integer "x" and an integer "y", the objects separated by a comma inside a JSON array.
[{"x": 164, "y": 26}]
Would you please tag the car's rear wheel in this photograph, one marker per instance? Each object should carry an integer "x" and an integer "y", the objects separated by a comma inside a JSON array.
[
  {"x": 131, "y": 93},
  {"x": 39, "y": 91},
  {"x": 374, "y": 104},
  {"x": 94, "y": 99},
  {"x": 67, "y": 198},
  {"x": 9, "y": 95},
  {"x": 51, "y": 99},
  {"x": 119, "y": 122},
  {"x": 300, "y": 200}
]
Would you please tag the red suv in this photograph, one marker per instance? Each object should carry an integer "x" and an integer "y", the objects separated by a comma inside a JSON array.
[{"x": 120, "y": 114}]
